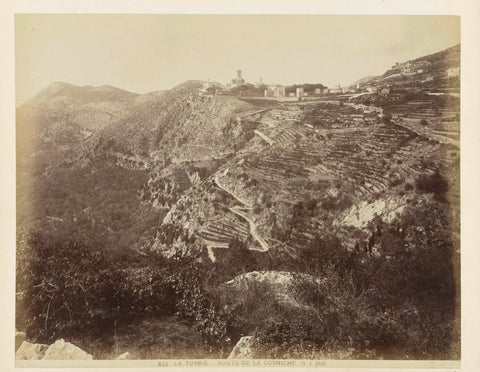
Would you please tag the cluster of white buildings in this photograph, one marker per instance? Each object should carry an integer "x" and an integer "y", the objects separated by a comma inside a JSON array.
[
  {"x": 276, "y": 91},
  {"x": 269, "y": 91},
  {"x": 238, "y": 85},
  {"x": 279, "y": 91},
  {"x": 411, "y": 67}
]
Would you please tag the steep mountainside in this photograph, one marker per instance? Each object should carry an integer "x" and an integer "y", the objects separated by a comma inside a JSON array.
[
  {"x": 178, "y": 125},
  {"x": 430, "y": 72},
  {"x": 319, "y": 226},
  {"x": 69, "y": 137},
  {"x": 297, "y": 180},
  {"x": 73, "y": 113}
]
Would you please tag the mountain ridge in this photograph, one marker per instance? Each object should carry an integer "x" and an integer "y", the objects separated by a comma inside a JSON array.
[
  {"x": 172, "y": 204},
  {"x": 440, "y": 61}
]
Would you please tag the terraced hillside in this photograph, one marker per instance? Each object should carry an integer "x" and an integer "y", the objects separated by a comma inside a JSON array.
[
  {"x": 164, "y": 199},
  {"x": 431, "y": 72},
  {"x": 347, "y": 158}
]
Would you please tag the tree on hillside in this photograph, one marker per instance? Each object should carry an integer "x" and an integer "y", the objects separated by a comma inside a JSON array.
[
  {"x": 387, "y": 117},
  {"x": 240, "y": 256},
  {"x": 434, "y": 183}
]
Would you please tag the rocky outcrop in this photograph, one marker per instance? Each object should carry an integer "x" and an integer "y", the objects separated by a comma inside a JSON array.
[
  {"x": 29, "y": 351},
  {"x": 359, "y": 215},
  {"x": 244, "y": 349},
  {"x": 124, "y": 356},
  {"x": 19, "y": 338},
  {"x": 60, "y": 350}
]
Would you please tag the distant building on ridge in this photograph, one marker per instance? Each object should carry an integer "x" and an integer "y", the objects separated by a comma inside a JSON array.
[
  {"x": 238, "y": 81},
  {"x": 453, "y": 71},
  {"x": 275, "y": 91}
]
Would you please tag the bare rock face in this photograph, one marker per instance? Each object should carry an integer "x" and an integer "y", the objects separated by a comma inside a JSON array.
[
  {"x": 244, "y": 349},
  {"x": 29, "y": 351},
  {"x": 19, "y": 338},
  {"x": 62, "y": 350}
]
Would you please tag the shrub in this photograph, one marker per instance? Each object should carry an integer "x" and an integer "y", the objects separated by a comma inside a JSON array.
[
  {"x": 334, "y": 317},
  {"x": 322, "y": 253},
  {"x": 387, "y": 117},
  {"x": 70, "y": 288},
  {"x": 400, "y": 304},
  {"x": 240, "y": 257},
  {"x": 249, "y": 305},
  {"x": 416, "y": 282},
  {"x": 195, "y": 303},
  {"x": 434, "y": 183},
  {"x": 337, "y": 204},
  {"x": 395, "y": 181},
  {"x": 67, "y": 285}
]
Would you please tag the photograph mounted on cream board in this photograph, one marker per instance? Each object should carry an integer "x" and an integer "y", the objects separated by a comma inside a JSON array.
[{"x": 262, "y": 190}]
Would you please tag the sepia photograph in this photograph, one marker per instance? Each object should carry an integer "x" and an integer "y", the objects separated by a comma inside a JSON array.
[{"x": 237, "y": 187}]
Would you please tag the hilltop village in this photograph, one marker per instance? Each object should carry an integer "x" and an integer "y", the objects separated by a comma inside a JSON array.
[
  {"x": 243, "y": 220},
  {"x": 239, "y": 87},
  {"x": 419, "y": 70}
]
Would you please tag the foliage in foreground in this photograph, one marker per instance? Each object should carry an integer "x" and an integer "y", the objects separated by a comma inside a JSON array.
[
  {"x": 400, "y": 303},
  {"x": 68, "y": 288},
  {"x": 396, "y": 303}
]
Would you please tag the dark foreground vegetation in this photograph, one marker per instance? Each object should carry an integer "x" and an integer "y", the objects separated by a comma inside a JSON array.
[
  {"x": 399, "y": 303},
  {"x": 358, "y": 211}
]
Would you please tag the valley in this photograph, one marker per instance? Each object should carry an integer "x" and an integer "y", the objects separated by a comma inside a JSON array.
[{"x": 327, "y": 226}]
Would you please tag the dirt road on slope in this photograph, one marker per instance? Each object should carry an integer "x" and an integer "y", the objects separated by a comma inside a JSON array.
[
  {"x": 251, "y": 222},
  {"x": 253, "y": 230}
]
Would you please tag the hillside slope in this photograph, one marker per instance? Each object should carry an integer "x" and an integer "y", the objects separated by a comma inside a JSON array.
[
  {"x": 431, "y": 71},
  {"x": 72, "y": 112},
  {"x": 141, "y": 208},
  {"x": 178, "y": 124}
]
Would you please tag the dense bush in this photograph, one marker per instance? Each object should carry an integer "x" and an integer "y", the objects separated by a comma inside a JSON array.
[
  {"x": 414, "y": 281},
  {"x": 400, "y": 303},
  {"x": 65, "y": 285},
  {"x": 194, "y": 302},
  {"x": 387, "y": 117},
  {"x": 396, "y": 304},
  {"x": 248, "y": 304},
  {"x": 335, "y": 317},
  {"x": 339, "y": 203},
  {"x": 434, "y": 183},
  {"x": 71, "y": 288},
  {"x": 97, "y": 199},
  {"x": 395, "y": 181},
  {"x": 322, "y": 253}
]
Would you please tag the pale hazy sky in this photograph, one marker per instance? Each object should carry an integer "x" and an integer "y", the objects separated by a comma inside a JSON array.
[{"x": 142, "y": 53}]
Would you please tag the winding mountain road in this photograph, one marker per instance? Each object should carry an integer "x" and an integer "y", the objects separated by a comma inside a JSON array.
[
  {"x": 243, "y": 201},
  {"x": 251, "y": 222},
  {"x": 253, "y": 231}
]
